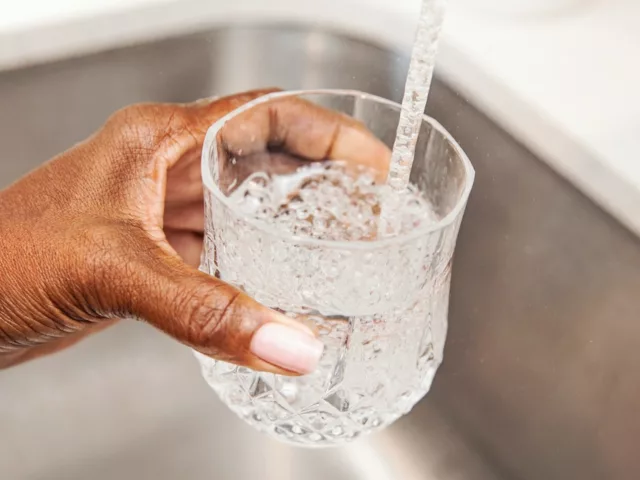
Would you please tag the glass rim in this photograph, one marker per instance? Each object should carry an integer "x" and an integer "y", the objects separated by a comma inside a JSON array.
[{"x": 209, "y": 183}]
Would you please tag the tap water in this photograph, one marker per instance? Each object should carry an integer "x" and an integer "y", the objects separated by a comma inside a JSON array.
[
  {"x": 381, "y": 310},
  {"x": 420, "y": 75},
  {"x": 414, "y": 102},
  {"x": 324, "y": 202}
]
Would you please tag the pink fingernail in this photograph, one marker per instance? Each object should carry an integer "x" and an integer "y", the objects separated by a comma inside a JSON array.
[{"x": 286, "y": 347}]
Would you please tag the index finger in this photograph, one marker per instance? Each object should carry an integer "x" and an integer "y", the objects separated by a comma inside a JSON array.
[{"x": 305, "y": 130}]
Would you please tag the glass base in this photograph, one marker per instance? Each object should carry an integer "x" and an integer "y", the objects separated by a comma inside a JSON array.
[{"x": 295, "y": 411}]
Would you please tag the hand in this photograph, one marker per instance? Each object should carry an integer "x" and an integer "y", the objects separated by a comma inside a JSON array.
[{"x": 113, "y": 228}]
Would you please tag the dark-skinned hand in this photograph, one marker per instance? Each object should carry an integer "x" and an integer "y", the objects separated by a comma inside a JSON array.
[{"x": 113, "y": 227}]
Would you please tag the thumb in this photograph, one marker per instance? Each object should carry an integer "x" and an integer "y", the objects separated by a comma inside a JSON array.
[{"x": 215, "y": 318}]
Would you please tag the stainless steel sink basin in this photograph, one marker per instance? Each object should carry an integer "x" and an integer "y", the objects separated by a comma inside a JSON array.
[{"x": 538, "y": 378}]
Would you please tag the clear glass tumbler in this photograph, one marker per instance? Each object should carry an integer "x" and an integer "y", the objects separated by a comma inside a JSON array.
[{"x": 380, "y": 305}]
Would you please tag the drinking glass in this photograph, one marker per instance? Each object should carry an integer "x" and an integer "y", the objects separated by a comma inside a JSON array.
[{"x": 380, "y": 306}]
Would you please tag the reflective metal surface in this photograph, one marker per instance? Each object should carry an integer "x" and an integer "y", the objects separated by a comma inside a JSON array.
[{"x": 538, "y": 380}]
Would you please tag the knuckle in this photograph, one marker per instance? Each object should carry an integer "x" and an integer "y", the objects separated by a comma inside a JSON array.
[
  {"x": 146, "y": 126},
  {"x": 211, "y": 314}
]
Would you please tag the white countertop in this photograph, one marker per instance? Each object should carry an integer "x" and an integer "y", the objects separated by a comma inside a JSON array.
[{"x": 567, "y": 86}]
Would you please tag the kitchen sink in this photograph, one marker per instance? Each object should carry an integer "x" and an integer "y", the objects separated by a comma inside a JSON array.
[{"x": 544, "y": 336}]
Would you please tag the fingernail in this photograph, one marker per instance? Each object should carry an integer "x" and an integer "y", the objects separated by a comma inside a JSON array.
[{"x": 286, "y": 347}]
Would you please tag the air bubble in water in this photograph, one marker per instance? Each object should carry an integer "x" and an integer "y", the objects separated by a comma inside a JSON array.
[{"x": 328, "y": 203}]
